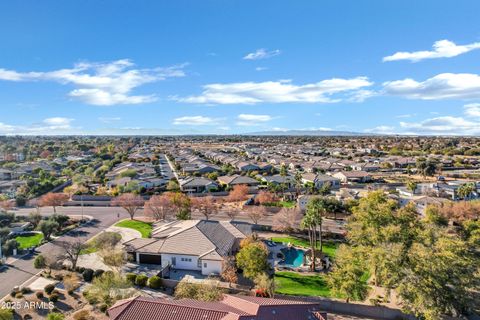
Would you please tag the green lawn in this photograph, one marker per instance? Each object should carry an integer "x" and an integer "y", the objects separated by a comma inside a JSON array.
[
  {"x": 292, "y": 283},
  {"x": 284, "y": 204},
  {"x": 29, "y": 241},
  {"x": 143, "y": 227},
  {"x": 89, "y": 249},
  {"x": 329, "y": 247}
]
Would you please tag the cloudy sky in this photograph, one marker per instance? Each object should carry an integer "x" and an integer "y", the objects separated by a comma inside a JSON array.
[{"x": 227, "y": 67}]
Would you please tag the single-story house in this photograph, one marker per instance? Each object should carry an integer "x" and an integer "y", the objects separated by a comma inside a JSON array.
[
  {"x": 237, "y": 179},
  {"x": 200, "y": 245},
  {"x": 319, "y": 180},
  {"x": 247, "y": 166},
  {"x": 197, "y": 185},
  {"x": 277, "y": 179},
  {"x": 118, "y": 182},
  {"x": 231, "y": 307},
  {"x": 353, "y": 176}
]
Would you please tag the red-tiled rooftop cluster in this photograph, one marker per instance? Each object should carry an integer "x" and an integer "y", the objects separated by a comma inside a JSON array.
[{"x": 232, "y": 307}]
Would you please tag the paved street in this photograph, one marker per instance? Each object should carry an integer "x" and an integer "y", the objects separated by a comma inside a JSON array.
[
  {"x": 108, "y": 215},
  {"x": 21, "y": 270}
]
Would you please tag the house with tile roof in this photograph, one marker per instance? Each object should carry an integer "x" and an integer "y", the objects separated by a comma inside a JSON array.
[
  {"x": 237, "y": 179},
  {"x": 199, "y": 245},
  {"x": 232, "y": 307}
]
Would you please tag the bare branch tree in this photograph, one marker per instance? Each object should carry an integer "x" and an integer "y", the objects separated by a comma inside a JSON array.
[
  {"x": 255, "y": 213},
  {"x": 71, "y": 251},
  {"x": 159, "y": 207},
  {"x": 130, "y": 202},
  {"x": 287, "y": 220},
  {"x": 205, "y": 205}
]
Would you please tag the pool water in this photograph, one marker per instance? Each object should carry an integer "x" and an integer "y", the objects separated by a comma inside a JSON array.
[{"x": 293, "y": 257}]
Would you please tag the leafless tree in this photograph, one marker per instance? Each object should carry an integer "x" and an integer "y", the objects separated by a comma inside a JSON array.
[
  {"x": 205, "y": 205},
  {"x": 71, "y": 251},
  {"x": 255, "y": 213},
  {"x": 287, "y": 220},
  {"x": 159, "y": 207},
  {"x": 130, "y": 202}
]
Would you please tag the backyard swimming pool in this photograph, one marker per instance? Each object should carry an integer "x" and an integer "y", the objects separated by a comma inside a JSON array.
[{"x": 293, "y": 257}]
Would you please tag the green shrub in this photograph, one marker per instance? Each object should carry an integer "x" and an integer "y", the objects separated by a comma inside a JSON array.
[
  {"x": 103, "y": 307},
  {"x": 109, "y": 273},
  {"x": 87, "y": 275},
  {"x": 39, "y": 262},
  {"x": 90, "y": 299},
  {"x": 55, "y": 316},
  {"x": 6, "y": 314},
  {"x": 141, "y": 280},
  {"x": 49, "y": 288},
  {"x": 53, "y": 297},
  {"x": 39, "y": 294},
  {"x": 26, "y": 290},
  {"x": 131, "y": 277},
  {"x": 155, "y": 282},
  {"x": 98, "y": 273},
  {"x": 19, "y": 295}
]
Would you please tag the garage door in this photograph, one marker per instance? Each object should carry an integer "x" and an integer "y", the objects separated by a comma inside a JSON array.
[{"x": 150, "y": 259}]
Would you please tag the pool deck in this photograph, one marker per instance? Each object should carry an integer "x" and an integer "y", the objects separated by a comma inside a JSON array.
[{"x": 276, "y": 262}]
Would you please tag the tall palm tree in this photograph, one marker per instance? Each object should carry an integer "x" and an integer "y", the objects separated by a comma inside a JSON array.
[{"x": 312, "y": 221}]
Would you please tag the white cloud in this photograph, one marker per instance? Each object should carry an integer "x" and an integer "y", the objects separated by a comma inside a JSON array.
[
  {"x": 283, "y": 91},
  {"x": 261, "y": 68},
  {"x": 472, "y": 110},
  {"x": 48, "y": 126},
  {"x": 262, "y": 54},
  {"x": 441, "y": 49},
  {"x": 381, "y": 129},
  {"x": 109, "y": 119},
  {"x": 102, "y": 84},
  {"x": 405, "y": 115},
  {"x": 195, "y": 121},
  {"x": 303, "y": 129},
  {"x": 441, "y": 86},
  {"x": 448, "y": 125},
  {"x": 252, "y": 119},
  {"x": 58, "y": 122}
]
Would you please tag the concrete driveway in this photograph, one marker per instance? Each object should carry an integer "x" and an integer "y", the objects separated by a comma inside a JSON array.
[{"x": 126, "y": 233}]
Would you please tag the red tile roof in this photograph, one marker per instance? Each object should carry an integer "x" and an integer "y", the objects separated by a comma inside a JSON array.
[{"x": 232, "y": 307}]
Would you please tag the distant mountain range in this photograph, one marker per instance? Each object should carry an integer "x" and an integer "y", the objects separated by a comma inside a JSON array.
[{"x": 309, "y": 133}]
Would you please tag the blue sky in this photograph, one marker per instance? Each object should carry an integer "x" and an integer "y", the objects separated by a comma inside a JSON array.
[{"x": 227, "y": 67}]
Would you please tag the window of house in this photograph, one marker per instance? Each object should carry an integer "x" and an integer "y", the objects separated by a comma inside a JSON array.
[
  {"x": 204, "y": 264},
  {"x": 199, "y": 263}
]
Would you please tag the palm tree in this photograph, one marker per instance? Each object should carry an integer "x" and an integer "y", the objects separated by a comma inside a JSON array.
[
  {"x": 312, "y": 221},
  {"x": 298, "y": 182}
]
